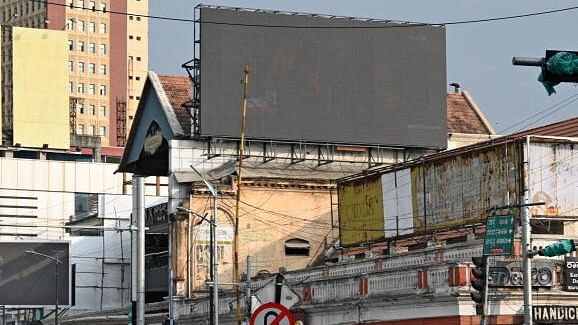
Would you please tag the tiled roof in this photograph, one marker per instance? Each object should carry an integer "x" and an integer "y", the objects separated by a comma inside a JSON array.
[
  {"x": 179, "y": 90},
  {"x": 566, "y": 128},
  {"x": 464, "y": 116}
]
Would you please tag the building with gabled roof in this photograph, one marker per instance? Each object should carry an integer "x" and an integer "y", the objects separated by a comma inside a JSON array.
[{"x": 288, "y": 215}]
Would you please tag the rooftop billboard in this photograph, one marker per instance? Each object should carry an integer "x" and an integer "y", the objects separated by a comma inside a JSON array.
[{"x": 320, "y": 79}]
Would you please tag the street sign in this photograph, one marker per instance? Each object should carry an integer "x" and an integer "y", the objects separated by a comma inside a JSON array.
[
  {"x": 571, "y": 265},
  {"x": 499, "y": 235},
  {"x": 272, "y": 314}
]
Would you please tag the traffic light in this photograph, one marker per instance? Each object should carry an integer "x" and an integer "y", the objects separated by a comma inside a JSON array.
[
  {"x": 132, "y": 313},
  {"x": 560, "y": 66},
  {"x": 562, "y": 247},
  {"x": 479, "y": 283},
  {"x": 557, "y": 66}
]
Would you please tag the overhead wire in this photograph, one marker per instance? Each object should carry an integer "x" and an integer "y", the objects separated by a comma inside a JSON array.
[{"x": 400, "y": 25}]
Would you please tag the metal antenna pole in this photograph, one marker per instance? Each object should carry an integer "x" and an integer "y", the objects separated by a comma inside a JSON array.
[{"x": 240, "y": 180}]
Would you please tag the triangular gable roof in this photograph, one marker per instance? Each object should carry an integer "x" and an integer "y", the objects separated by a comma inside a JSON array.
[
  {"x": 161, "y": 116},
  {"x": 464, "y": 116}
]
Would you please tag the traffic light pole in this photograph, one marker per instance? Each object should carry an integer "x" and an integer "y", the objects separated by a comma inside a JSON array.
[
  {"x": 526, "y": 234},
  {"x": 485, "y": 310}
]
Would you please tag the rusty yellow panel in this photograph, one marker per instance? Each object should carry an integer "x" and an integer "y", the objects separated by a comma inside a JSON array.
[
  {"x": 462, "y": 189},
  {"x": 361, "y": 217}
]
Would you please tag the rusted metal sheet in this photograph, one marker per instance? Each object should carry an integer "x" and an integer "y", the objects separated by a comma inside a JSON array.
[
  {"x": 553, "y": 179},
  {"x": 361, "y": 211},
  {"x": 461, "y": 189}
]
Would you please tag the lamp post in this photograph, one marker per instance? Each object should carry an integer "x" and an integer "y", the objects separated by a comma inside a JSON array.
[
  {"x": 56, "y": 261},
  {"x": 214, "y": 257}
]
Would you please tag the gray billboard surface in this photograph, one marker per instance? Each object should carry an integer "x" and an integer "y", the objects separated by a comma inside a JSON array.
[
  {"x": 320, "y": 79},
  {"x": 28, "y": 274}
]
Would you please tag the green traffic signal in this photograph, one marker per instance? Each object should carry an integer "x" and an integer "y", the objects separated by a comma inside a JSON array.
[{"x": 560, "y": 248}]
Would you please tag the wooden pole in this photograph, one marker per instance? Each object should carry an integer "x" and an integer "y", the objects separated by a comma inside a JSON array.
[{"x": 239, "y": 182}]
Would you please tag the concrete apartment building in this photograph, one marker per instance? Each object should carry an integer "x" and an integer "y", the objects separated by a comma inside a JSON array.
[{"x": 107, "y": 62}]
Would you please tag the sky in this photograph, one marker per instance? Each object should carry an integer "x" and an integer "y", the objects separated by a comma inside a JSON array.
[{"x": 479, "y": 55}]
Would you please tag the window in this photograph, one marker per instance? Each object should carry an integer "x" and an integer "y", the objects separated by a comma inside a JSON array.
[
  {"x": 80, "y": 108},
  {"x": 91, "y": 130},
  {"x": 102, "y": 111},
  {"x": 137, "y": 78},
  {"x": 138, "y": 58},
  {"x": 130, "y": 17},
  {"x": 69, "y": 3},
  {"x": 70, "y": 45},
  {"x": 103, "y": 7},
  {"x": 80, "y": 4},
  {"x": 81, "y": 26},
  {"x": 102, "y": 69},
  {"x": 102, "y": 28},
  {"x": 80, "y": 88},
  {"x": 81, "y": 46},
  {"x": 138, "y": 38},
  {"x": 91, "y": 89},
  {"x": 297, "y": 247},
  {"x": 138, "y": 18},
  {"x": 91, "y": 48},
  {"x": 130, "y": 37},
  {"x": 80, "y": 129},
  {"x": 92, "y": 5},
  {"x": 92, "y": 68},
  {"x": 102, "y": 131},
  {"x": 69, "y": 24},
  {"x": 102, "y": 90},
  {"x": 92, "y": 27},
  {"x": 70, "y": 66},
  {"x": 91, "y": 110},
  {"x": 70, "y": 88},
  {"x": 80, "y": 67},
  {"x": 102, "y": 48}
]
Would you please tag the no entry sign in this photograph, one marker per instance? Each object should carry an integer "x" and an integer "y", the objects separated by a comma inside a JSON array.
[{"x": 272, "y": 314}]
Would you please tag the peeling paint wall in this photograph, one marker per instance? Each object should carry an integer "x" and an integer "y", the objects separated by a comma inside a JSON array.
[
  {"x": 462, "y": 188},
  {"x": 553, "y": 179}
]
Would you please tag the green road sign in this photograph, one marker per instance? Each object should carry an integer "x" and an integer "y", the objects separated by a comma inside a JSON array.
[{"x": 499, "y": 235}]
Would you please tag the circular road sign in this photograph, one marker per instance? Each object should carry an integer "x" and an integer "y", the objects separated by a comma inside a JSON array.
[{"x": 272, "y": 314}]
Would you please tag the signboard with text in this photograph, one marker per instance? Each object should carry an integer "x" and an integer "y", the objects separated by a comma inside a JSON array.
[
  {"x": 571, "y": 265},
  {"x": 550, "y": 314},
  {"x": 499, "y": 235}
]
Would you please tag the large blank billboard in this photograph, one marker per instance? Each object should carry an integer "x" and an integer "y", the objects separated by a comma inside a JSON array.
[
  {"x": 29, "y": 274},
  {"x": 319, "y": 79}
]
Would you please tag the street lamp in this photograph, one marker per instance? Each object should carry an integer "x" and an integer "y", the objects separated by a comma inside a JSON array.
[
  {"x": 214, "y": 258},
  {"x": 56, "y": 261}
]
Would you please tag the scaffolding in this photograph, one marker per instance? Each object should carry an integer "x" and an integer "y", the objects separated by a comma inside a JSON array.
[{"x": 120, "y": 123}]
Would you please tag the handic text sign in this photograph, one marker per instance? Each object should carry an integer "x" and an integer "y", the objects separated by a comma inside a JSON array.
[{"x": 272, "y": 314}]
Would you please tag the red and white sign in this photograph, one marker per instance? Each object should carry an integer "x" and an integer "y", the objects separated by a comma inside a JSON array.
[{"x": 272, "y": 314}]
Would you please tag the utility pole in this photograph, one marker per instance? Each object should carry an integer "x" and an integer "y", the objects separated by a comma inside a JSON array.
[
  {"x": 248, "y": 290},
  {"x": 245, "y": 82},
  {"x": 140, "y": 276},
  {"x": 214, "y": 272},
  {"x": 526, "y": 237}
]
